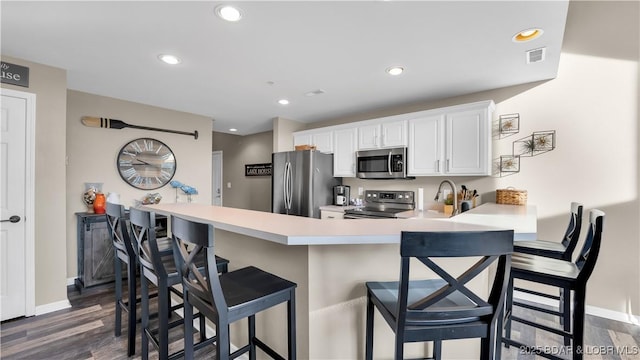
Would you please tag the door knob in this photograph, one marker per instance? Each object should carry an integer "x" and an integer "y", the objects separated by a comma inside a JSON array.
[{"x": 13, "y": 219}]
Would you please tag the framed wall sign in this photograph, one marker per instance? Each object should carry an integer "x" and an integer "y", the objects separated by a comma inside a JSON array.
[
  {"x": 14, "y": 74},
  {"x": 257, "y": 169}
]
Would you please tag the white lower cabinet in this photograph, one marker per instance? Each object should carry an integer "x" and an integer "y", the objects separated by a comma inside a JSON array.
[
  {"x": 328, "y": 214},
  {"x": 344, "y": 152}
]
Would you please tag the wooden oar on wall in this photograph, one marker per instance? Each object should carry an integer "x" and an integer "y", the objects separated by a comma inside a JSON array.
[{"x": 119, "y": 124}]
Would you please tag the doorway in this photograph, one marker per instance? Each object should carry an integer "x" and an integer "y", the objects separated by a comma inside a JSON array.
[
  {"x": 216, "y": 190},
  {"x": 17, "y": 229}
]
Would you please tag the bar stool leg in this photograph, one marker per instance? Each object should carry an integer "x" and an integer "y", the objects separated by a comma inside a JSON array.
[
  {"x": 566, "y": 313},
  {"x": 508, "y": 311},
  {"x": 578, "y": 322},
  {"x": 437, "y": 349},
  {"x": 118, "y": 275},
  {"x": 369, "y": 329},
  {"x": 144, "y": 295},
  {"x": 188, "y": 326},
  {"x": 252, "y": 335},
  {"x": 163, "y": 321},
  {"x": 131, "y": 281},
  {"x": 291, "y": 318}
]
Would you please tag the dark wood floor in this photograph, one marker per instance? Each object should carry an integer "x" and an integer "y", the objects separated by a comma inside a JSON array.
[{"x": 85, "y": 331}]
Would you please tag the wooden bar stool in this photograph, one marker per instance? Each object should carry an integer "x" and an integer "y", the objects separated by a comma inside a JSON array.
[
  {"x": 566, "y": 275},
  {"x": 157, "y": 266},
  {"x": 444, "y": 308},
  {"x": 228, "y": 297}
]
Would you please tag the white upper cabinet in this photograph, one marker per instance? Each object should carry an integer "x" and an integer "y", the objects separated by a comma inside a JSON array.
[
  {"x": 455, "y": 140},
  {"x": 321, "y": 139},
  {"x": 426, "y": 146},
  {"x": 344, "y": 152},
  {"x": 468, "y": 141},
  {"x": 451, "y": 141},
  {"x": 387, "y": 134}
]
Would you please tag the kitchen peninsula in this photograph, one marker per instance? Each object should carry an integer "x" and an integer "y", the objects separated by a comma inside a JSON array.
[{"x": 330, "y": 260}]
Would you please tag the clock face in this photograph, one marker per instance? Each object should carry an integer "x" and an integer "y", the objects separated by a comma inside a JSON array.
[{"x": 146, "y": 163}]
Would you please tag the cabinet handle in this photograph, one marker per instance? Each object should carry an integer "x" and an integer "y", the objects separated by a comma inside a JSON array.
[
  {"x": 447, "y": 164},
  {"x": 438, "y": 165}
]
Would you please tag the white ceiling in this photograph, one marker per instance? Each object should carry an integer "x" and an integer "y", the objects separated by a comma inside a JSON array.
[{"x": 234, "y": 73}]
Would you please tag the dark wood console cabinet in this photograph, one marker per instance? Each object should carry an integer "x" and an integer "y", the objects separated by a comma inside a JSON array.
[{"x": 95, "y": 250}]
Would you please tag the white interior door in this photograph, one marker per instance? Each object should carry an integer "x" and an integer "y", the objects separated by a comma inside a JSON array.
[
  {"x": 216, "y": 191},
  {"x": 16, "y": 273}
]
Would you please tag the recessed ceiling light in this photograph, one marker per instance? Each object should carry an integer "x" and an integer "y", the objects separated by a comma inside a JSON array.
[
  {"x": 283, "y": 102},
  {"x": 527, "y": 35},
  {"x": 228, "y": 13},
  {"x": 233, "y": 129},
  {"x": 395, "y": 70},
  {"x": 169, "y": 59}
]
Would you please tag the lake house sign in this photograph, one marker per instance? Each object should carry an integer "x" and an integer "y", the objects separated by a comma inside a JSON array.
[{"x": 14, "y": 74}]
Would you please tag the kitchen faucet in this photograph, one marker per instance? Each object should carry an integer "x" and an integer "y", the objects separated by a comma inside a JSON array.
[{"x": 455, "y": 192}]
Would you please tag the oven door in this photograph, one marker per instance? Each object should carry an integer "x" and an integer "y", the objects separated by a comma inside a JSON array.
[{"x": 381, "y": 164}]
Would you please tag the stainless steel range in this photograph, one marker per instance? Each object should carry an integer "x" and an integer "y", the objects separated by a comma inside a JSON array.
[{"x": 383, "y": 204}]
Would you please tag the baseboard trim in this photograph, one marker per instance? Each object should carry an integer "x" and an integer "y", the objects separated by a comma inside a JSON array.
[
  {"x": 51, "y": 307},
  {"x": 591, "y": 310},
  {"x": 71, "y": 281}
]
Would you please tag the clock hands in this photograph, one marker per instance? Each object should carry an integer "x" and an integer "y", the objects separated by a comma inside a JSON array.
[{"x": 142, "y": 162}]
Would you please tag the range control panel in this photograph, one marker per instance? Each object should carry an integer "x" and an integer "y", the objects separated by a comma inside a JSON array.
[{"x": 389, "y": 197}]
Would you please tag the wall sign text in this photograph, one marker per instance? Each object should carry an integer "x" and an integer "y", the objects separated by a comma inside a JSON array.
[
  {"x": 14, "y": 74},
  {"x": 257, "y": 169}
]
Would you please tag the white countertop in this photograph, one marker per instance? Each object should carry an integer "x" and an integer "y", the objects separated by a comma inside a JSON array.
[{"x": 295, "y": 230}]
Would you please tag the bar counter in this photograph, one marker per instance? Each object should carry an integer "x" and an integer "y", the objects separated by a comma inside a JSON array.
[{"x": 330, "y": 260}]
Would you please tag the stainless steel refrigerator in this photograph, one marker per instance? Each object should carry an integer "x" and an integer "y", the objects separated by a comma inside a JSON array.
[{"x": 301, "y": 182}]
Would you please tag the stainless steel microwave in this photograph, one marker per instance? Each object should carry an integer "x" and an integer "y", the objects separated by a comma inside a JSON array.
[{"x": 382, "y": 164}]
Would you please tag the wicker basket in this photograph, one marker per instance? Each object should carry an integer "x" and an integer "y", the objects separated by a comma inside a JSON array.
[
  {"x": 511, "y": 196},
  {"x": 305, "y": 147}
]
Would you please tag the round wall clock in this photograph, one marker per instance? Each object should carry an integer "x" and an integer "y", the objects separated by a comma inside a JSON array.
[{"x": 146, "y": 163}]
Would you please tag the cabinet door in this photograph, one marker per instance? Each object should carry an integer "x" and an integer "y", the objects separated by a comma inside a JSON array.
[
  {"x": 426, "y": 146},
  {"x": 323, "y": 141},
  {"x": 368, "y": 137},
  {"x": 394, "y": 134},
  {"x": 344, "y": 152},
  {"x": 302, "y": 139},
  {"x": 467, "y": 143}
]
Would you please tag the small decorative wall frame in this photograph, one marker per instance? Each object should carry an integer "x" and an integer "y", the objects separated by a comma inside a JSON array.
[
  {"x": 539, "y": 142},
  {"x": 508, "y": 125},
  {"x": 535, "y": 144},
  {"x": 509, "y": 164}
]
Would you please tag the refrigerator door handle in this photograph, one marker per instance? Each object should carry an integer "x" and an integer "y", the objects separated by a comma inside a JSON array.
[
  {"x": 284, "y": 185},
  {"x": 288, "y": 182}
]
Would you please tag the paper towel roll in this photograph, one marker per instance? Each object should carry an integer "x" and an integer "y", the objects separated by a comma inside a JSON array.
[{"x": 420, "y": 199}]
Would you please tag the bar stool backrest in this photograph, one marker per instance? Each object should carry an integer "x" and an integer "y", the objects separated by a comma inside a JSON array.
[
  {"x": 586, "y": 261},
  {"x": 117, "y": 228},
  {"x": 145, "y": 235},
  {"x": 191, "y": 239},
  {"x": 572, "y": 235},
  {"x": 490, "y": 246}
]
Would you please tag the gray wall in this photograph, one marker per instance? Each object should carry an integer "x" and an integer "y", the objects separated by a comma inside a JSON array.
[{"x": 246, "y": 192}]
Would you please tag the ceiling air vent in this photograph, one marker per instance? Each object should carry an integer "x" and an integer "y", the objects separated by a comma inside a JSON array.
[
  {"x": 315, "y": 92},
  {"x": 535, "y": 55}
]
